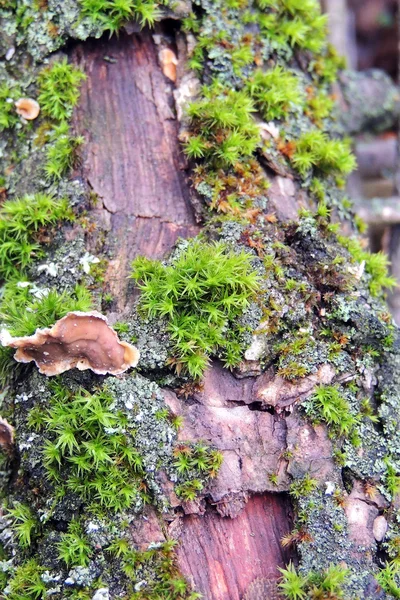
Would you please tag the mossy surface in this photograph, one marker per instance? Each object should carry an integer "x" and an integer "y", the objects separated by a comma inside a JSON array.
[{"x": 266, "y": 107}]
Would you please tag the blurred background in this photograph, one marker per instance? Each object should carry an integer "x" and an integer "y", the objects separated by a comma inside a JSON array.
[{"x": 366, "y": 32}]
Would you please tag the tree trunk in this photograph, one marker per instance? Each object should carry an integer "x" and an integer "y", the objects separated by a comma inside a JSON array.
[{"x": 139, "y": 195}]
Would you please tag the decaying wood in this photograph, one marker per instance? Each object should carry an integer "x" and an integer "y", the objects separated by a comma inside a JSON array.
[
  {"x": 132, "y": 157},
  {"x": 133, "y": 163}
]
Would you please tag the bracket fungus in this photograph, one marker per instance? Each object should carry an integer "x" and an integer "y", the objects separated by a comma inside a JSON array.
[
  {"x": 27, "y": 108},
  {"x": 6, "y": 435},
  {"x": 80, "y": 339}
]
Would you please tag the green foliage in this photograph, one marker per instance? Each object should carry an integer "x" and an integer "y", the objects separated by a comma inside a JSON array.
[
  {"x": 200, "y": 294},
  {"x": 274, "y": 92},
  {"x": 376, "y": 265},
  {"x": 392, "y": 477},
  {"x": 325, "y": 584},
  {"x": 223, "y": 129},
  {"x": 59, "y": 89},
  {"x": 26, "y": 583},
  {"x": 163, "y": 580},
  {"x": 8, "y": 114},
  {"x": 22, "y": 313},
  {"x": 293, "y": 586},
  {"x": 387, "y": 579},
  {"x": 88, "y": 450},
  {"x": 193, "y": 463},
  {"x": 20, "y": 221},
  {"x": 314, "y": 149},
  {"x": 24, "y": 523},
  {"x": 112, "y": 14},
  {"x": 61, "y": 152},
  {"x": 328, "y": 405},
  {"x": 319, "y": 106},
  {"x": 303, "y": 487},
  {"x": 74, "y": 548},
  {"x": 297, "y": 22}
]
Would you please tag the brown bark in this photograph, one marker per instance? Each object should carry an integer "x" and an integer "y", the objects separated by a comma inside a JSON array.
[
  {"x": 132, "y": 157},
  {"x": 132, "y": 160}
]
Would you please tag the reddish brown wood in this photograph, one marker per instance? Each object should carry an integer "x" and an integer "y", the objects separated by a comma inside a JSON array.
[
  {"x": 225, "y": 555},
  {"x": 132, "y": 160},
  {"x": 132, "y": 157}
]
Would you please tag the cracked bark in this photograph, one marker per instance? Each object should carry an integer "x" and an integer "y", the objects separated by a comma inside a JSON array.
[{"x": 132, "y": 161}]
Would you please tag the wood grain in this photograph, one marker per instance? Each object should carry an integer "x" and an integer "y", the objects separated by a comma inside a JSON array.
[
  {"x": 131, "y": 158},
  {"x": 224, "y": 556}
]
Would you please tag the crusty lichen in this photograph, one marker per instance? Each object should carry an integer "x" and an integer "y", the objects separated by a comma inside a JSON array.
[{"x": 317, "y": 303}]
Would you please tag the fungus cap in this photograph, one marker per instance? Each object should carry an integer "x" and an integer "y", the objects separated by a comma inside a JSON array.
[
  {"x": 168, "y": 62},
  {"x": 27, "y": 108},
  {"x": 80, "y": 339}
]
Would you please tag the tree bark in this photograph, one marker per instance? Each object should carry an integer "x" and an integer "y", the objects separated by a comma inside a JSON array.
[{"x": 141, "y": 201}]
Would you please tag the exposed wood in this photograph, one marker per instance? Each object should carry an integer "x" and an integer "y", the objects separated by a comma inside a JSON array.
[
  {"x": 132, "y": 158},
  {"x": 134, "y": 164},
  {"x": 225, "y": 555}
]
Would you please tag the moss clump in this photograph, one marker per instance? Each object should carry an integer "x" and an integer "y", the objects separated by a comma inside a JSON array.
[
  {"x": 154, "y": 572},
  {"x": 24, "y": 523},
  {"x": 111, "y": 14},
  {"x": 325, "y": 584},
  {"x": 8, "y": 114},
  {"x": 74, "y": 548},
  {"x": 192, "y": 463},
  {"x": 22, "y": 313},
  {"x": 20, "y": 224},
  {"x": 61, "y": 152},
  {"x": 275, "y": 92},
  {"x": 298, "y": 21},
  {"x": 59, "y": 89},
  {"x": 315, "y": 150},
  {"x": 201, "y": 293},
  {"x": 328, "y": 405},
  {"x": 80, "y": 453},
  {"x": 376, "y": 265},
  {"x": 26, "y": 583},
  {"x": 223, "y": 129}
]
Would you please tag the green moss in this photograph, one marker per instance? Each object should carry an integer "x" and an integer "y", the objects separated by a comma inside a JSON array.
[
  {"x": 275, "y": 92},
  {"x": 194, "y": 462},
  {"x": 223, "y": 130},
  {"x": 24, "y": 523},
  {"x": 112, "y": 14},
  {"x": 26, "y": 583},
  {"x": 61, "y": 152},
  {"x": 20, "y": 224},
  {"x": 314, "y": 149},
  {"x": 157, "y": 570},
  {"x": 74, "y": 548},
  {"x": 201, "y": 294},
  {"x": 303, "y": 487},
  {"x": 388, "y": 578},
  {"x": 328, "y": 405},
  {"x": 376, "y": 265},
  {"x": 59, "y": 89},
  {"x": 82, "y": 456},
  {"x": 324, "y": 584},
  {"x": 22, "y": 313},
  {"x": 8, "y": 114}
]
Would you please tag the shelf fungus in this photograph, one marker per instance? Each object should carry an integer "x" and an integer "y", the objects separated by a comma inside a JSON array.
[
  {"x": 80, "y": 339},
  {"x": 6, "y": 435},
  {"x": 27, "y": 108}
]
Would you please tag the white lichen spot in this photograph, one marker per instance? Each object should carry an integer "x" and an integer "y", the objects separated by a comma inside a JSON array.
[{"x": 87, "y": 260}]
